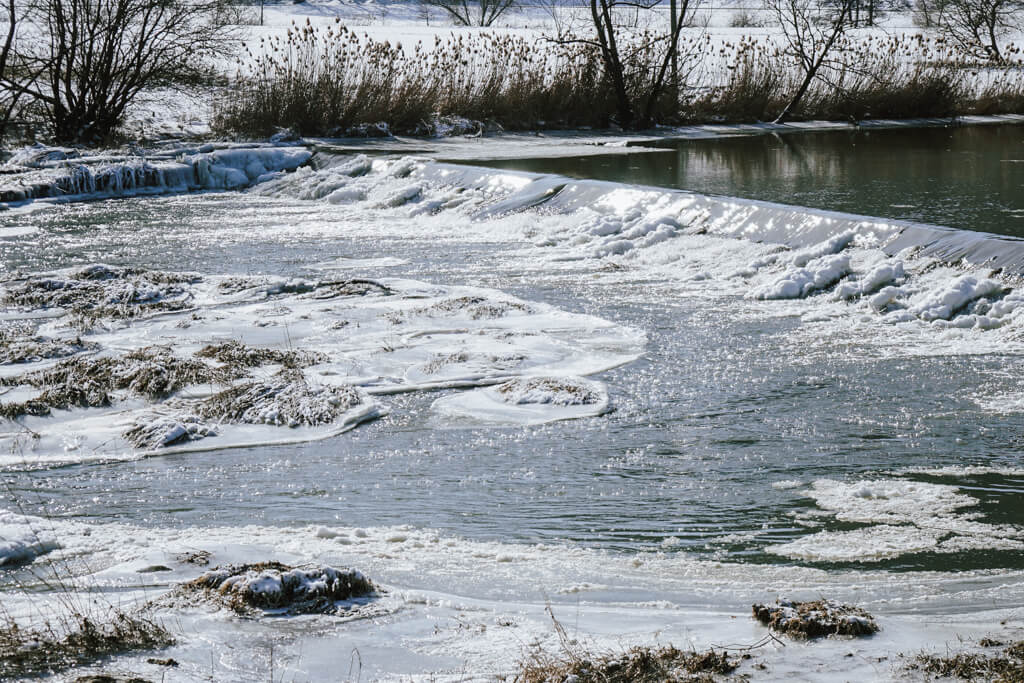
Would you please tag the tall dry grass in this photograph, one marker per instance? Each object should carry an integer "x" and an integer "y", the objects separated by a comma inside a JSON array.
[
  {"x": 330, "y": 81},
  {"x": 325, "y": 81}
]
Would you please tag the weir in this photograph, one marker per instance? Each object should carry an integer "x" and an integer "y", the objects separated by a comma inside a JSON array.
[{"x": 757, "y": 221}]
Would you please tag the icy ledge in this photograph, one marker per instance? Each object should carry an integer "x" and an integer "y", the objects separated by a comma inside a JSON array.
[
  {"x": 667, "y": 213},
  {"x": 58, "y": 174}
]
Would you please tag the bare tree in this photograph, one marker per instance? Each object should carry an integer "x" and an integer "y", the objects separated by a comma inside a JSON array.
[
  {"x": 473, "y": 12},
  {"x": 810, "y": 32},
  {"x": 978, "y": 26},
  {"x": 12, "y": 92},
  {"x": 97, "y": 56},
  {"x": 641, "y": 64}
]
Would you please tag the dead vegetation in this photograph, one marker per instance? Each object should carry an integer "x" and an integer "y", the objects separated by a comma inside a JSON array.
[
  {"x": 638, "y": 665},
  {"x": 17, "y": 348},
  {"x": 444, "y": 359},
  {"x": 328, "y": 289},
  {"x": 560, "y": 391},
  {"x": 286, "y": 399},
  {"x": 1005, "y": 667},
  {"x": 153, "y": 372},
  {"x": 815, "y": 619},
  {"x": 473, "y": 307},
  {"x": 75, "y": 640},
  {"x": 235, "y": 354},
  {"x": 273, "y": 586},
  {"x": 351, "y": 287},
  {"x": 100, "y": 291},
  {"x": 163, "y": 431}
]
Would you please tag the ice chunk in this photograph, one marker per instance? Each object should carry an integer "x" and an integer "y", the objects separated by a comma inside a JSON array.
[{"x": 801, "y": 282}]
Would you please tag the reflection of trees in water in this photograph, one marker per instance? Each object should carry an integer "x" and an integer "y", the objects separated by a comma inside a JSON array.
[{"x": 964, "y": 177}]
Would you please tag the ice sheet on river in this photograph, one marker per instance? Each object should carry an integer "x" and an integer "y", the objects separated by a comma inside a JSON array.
[{"x": 111, "y": 362}]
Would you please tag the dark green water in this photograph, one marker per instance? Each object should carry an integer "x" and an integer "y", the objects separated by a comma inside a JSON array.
[{"x": 964, "y": 177}]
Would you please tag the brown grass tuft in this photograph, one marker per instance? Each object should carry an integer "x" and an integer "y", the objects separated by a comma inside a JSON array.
[{"x": 815, "y": 619}]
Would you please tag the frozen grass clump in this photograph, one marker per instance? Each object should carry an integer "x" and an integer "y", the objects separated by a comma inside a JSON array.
[
  {"x": 815, "y": 619},
  {"x": 1007, "y": 667},
  {"x": 473, "y": 307},
  {"x": 153, "y": 372},
  {"x": 638, "y": 665},
  {"x": 17, "y": 348},
  {"x": 444, "y": 359},
  {"x": 102, "y": 291},
  {"x": 162, "y": 431},
  {"x": 274, "y": 586},
  {"x": 286, "y": 399},
  {"x": 559, "y": 391},
  {"x": 352, "y": 287},
  {"x": 75, "y": 639},
  {"x": 237, "y": 355},
  {"x": 328, "y": 289}
]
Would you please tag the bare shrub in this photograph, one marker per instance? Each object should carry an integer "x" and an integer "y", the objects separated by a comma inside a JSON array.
[
  {"x": 473, "y": 12},
  {"x": 747, "y": 18},
  {"x": 96, "y": 56},
  {"x": 810, "y": 32},
  {"x": 641, "y": 64}
]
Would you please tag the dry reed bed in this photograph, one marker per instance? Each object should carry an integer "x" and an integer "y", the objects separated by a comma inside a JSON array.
[{"x": 330, "y": 81}]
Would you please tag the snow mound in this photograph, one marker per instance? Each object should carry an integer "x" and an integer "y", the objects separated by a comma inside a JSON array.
[
  {"x": 815, "y": 619},
  {"x": 163, "y": 431},
  {"x": 558, "y": 391},
  {"x": 276, "y": 587},
  {"x": 871, "y": 282},
  {"x": 800, "y": 282},
  {"x": 527, "y": 401},
  {"x": 20, "y": 543},
  {"x": 944, "y": 303}
]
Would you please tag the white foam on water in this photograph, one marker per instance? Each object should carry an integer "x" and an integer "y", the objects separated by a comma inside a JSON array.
[
  {"x": 23, "y": 538},
  {"x": 903, "y": 517},
  {"x": 17, "y": 231}
]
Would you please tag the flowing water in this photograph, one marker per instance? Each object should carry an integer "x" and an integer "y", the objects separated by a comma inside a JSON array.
[
  {"x": 963, "y": 177},
  {"x": 776, "y": 434}
]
